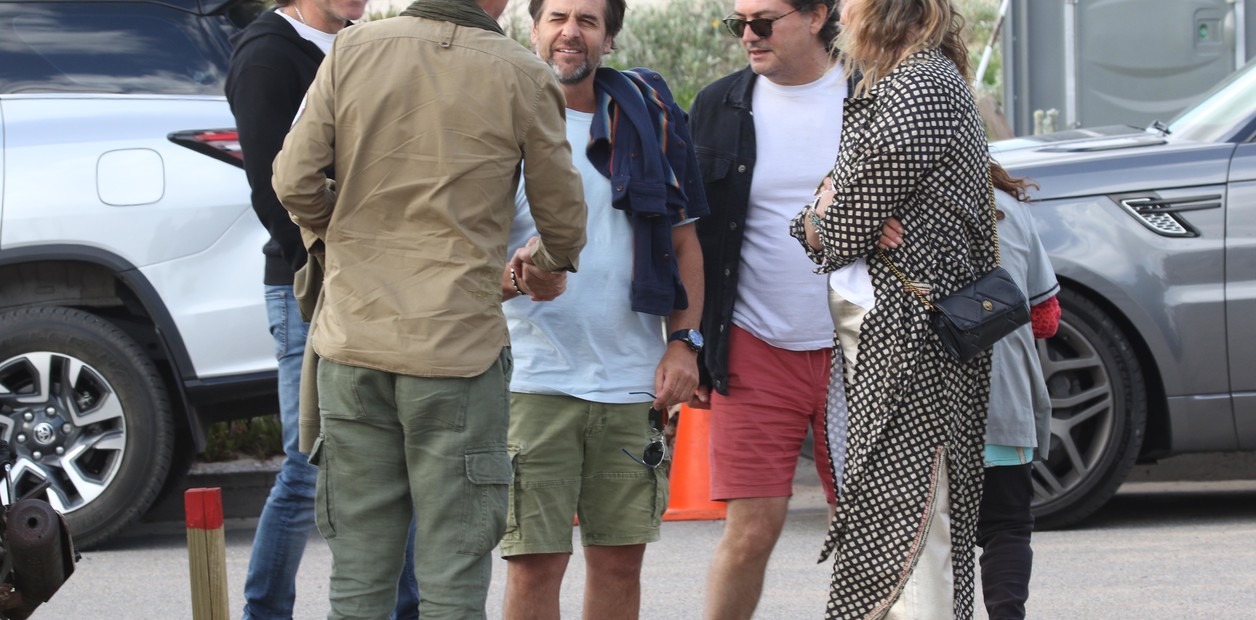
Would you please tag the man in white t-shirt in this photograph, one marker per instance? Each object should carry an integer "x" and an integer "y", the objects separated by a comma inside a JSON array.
[
  {"x": 766, "y": 135},
  {"x": 594, "y": 367}
]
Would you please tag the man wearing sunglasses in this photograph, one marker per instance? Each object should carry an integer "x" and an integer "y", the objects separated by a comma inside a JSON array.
[
  {"x": 765, "y": 135},
  {"x": 585, "y": 421}
]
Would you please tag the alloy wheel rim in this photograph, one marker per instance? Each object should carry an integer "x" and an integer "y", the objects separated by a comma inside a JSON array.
[
  {"x": 65, "y": 425},
  {"x": 1083, "y": 416}
]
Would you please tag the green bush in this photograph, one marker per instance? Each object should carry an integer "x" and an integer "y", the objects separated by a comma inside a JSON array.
[
  {"x": 259, "y": 438},
  {"x": 685, "y": 42},
  {"x": 681, "y": 39},
  {"x": 980, "y": 15}
]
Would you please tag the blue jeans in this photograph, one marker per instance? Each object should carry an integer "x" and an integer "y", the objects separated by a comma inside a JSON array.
[{"x": 288, "y": 517}]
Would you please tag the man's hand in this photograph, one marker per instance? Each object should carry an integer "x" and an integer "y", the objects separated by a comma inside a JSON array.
[
  {"x": 540, "y": 285},
  {"x": 525, "y": 253},
  {"x": 701, "y": 397},
  {"x": 676, "y": 376}
]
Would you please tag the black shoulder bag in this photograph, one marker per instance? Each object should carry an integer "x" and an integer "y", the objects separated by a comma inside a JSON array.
[{"x": 973, "y": 318}]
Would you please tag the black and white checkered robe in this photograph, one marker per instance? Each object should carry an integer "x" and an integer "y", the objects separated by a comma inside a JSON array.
[{"x": 914, "y": 149}]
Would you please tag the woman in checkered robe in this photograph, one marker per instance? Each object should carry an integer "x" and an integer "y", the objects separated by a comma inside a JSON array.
[{"x": 913, "y": 148}]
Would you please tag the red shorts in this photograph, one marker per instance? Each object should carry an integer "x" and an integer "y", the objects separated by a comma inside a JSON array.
[{"x": 758, "y": 429}]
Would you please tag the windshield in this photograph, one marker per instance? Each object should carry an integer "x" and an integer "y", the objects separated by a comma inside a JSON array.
[{"x": 1223, "y": 110}]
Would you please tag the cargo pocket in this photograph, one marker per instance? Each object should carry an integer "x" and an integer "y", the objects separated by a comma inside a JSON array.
[
  {"x": 508, "y": 366},
  {"x": 323, "y": 493},
  {"x": 662, "y": 490},
  {"x": 489, "y": 475},
  {"x": 512, "y": 506}
]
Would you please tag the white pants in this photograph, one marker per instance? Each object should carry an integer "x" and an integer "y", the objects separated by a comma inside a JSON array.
[
  {"x": 847, "y": 320},
  {"x": 930, "y": 590}
]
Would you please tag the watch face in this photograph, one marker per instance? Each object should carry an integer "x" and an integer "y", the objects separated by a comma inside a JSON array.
[
  {"x": 691, "y": 337},
  {"x": 695, "y": 338}
]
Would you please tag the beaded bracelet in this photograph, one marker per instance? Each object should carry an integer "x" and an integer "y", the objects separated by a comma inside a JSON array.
[{"x": 514, "y": 280}]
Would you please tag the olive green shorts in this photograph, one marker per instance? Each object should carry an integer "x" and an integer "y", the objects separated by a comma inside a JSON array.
[{"x": 569, "y": 461}]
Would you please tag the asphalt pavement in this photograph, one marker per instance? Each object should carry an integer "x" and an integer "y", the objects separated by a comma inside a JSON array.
[{"x": 1171, "y": 550}]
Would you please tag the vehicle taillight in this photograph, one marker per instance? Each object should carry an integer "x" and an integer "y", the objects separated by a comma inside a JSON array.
[{"x": 221, "y": 144}]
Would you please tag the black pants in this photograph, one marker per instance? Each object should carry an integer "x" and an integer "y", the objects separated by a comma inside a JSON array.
[{"x": 1003, "y": 529}]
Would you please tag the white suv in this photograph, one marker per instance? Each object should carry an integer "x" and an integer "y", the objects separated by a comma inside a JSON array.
[{"x": 131, "y": 303}]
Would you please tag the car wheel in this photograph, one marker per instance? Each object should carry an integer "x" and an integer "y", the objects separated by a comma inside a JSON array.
[
  {"x": 1099, "y": 409},
  {"x": 84, "y": 410}
]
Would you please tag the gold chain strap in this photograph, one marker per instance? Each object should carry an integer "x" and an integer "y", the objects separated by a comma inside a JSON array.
[{"x": 994, "y": 217}]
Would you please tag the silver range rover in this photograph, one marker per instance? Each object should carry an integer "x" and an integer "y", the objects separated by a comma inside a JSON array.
[{"x": 1152, "y": 233}]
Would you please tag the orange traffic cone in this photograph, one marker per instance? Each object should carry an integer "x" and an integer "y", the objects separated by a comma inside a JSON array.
[{"x": 691, "y": 470}]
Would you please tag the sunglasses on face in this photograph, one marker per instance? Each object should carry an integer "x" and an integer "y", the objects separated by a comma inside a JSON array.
[
  {"x": 656, "y": 451},
  {"x": 761, "y": 27}
]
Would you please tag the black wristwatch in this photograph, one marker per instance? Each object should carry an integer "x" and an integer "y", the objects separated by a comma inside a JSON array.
[{"x": 691, "y": 337}]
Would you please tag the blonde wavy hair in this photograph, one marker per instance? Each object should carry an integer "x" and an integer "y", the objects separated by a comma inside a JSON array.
[{"x": 881, "y": 33}]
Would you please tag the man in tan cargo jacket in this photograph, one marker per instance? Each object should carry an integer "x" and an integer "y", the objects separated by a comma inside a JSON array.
[{"x": 426, "y": 118}]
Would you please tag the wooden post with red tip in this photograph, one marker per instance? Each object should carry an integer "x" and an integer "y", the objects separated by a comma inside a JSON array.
[{"x": 207, "y": 553}]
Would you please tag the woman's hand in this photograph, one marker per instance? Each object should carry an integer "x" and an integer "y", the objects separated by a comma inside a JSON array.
[
  {"x": 826, "y": 195},
  {"x": 891, "y": 235}
]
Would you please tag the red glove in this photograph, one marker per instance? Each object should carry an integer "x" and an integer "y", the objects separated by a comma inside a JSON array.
[{"x": 1045, "y": 318}]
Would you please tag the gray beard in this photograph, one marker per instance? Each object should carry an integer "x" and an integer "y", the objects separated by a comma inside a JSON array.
[{"x": 575, "y": 77}]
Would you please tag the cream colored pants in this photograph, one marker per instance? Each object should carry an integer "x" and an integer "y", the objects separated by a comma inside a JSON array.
[
  {"x": 847, "y": 320},
  {"x": 930, "y": 590}
]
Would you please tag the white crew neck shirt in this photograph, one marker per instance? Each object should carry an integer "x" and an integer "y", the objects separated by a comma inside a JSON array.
[
  {"x": 322, "y": 39},
  {"x": 798, "y": 130},
  {"x": 587, "y": 343}
]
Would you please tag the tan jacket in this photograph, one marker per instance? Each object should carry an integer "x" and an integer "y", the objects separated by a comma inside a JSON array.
[{"x": 426, "y": 123}]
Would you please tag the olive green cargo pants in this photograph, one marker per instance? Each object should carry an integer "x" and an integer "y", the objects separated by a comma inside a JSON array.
[{"x": 394, "y": 445}]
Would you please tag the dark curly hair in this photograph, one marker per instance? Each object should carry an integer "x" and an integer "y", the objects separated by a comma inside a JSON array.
[
  {"x": 828, "y": 33},
  {"x": 614, "y": 14}
]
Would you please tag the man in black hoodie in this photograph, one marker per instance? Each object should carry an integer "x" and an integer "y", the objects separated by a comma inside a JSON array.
[{"x": 274, "y": 62}]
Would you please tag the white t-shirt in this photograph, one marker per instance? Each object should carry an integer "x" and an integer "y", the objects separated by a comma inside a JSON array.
[
  {"x": 587, "y": 343},
  {"x": 322, "y": 39},
  {"x": 854, "y": 284},
  {"x": 1016, "y": 385},
  {"x": 797, "y": 133}
]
